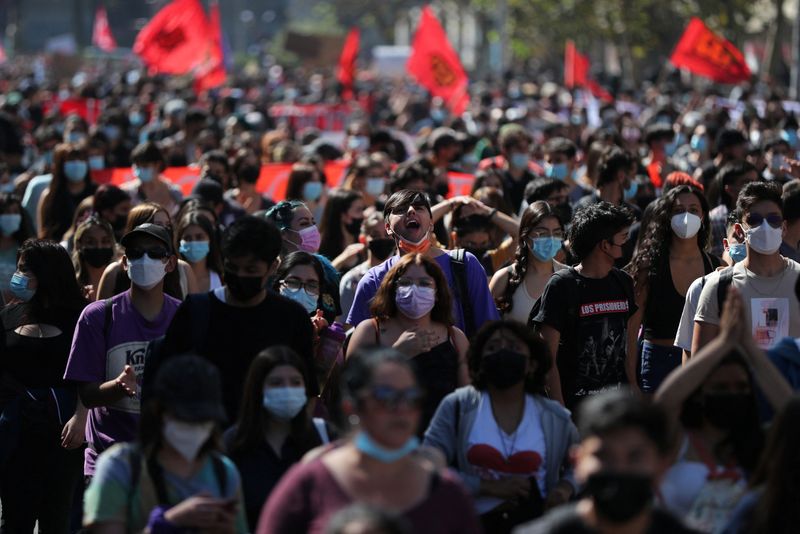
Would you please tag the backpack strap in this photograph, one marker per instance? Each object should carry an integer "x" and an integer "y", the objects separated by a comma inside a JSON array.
[
  {"x": 322, "y": 430},
  {"x": 725, "y": 281},
  {"x": 458, "y": 263},
  {"x": 156, "y": 474},
  {"x": 220, "y": 473}
]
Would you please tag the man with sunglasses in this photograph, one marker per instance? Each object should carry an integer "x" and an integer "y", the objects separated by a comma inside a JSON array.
[
  {"x": 408, "y": 220},
  {"x": 108, "y": 350},
  {"x": 765, "y": 279}
]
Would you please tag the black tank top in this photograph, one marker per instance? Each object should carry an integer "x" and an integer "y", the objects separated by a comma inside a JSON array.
[
  {"x": 437, "y": 371},
  {"x": 664, "y": 304}
]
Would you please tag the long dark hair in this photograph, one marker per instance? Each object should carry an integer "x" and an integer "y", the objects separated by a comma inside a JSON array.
[
  {"x": 254, "y": 418},
  {"x": 57, "y": 287},
  {"x": 330, "y": 228},
  {"x": 531, "y": 217},
  {"x": 779, "y": 473},
  {"x": 746, "y": 440},
  {"x": 383, "y": 304},
  {"x": 25, "y": 227},
  {"x": 301, "y": 174},
  {"x": 653, "y": 253},
  {"x": 214, "y": 258},
  {"x": 81, "y": 272},
  {"x": 57, "y": 208}
]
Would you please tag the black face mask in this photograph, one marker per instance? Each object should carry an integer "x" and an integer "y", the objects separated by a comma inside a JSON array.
[
  {"x": 619, "y": 497},
  {"x": 119, "y": 223},
  {"x": 354, "y": 226},
  {"x": 504, "y": 368},
  {"x": 728, "y": 410},
  {"x": 243, "y": 288},
  {"x": 381, "y": 248},
  {"x": 97, "y": 257},
  {"x": 249, "y": 174}
]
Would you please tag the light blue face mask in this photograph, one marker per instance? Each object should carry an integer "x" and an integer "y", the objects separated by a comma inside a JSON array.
[
  {"x": 19, "y": 287},
  {"x": 312, "y": 191},
  {"x": 7, "y": 187},
  {"x": 519, "y": 160},
  {"x": 97, "y": 163},
  {"x": 375, "y": 186},
  {"x": 737, "y": 252},
  {"x": 630, "y": 191},
  {"x": 75, "y": 170},
  {"x": 698, "y": 143},
  {"x": 194, "y": 251},
  {"x": 366, "y": 445},
  {"x": 557, "y": 172},
  {"x": 790, "y": 136},
  {"x": 10, "y": 223},
  {"x": 545, "y": 248},
  {"x": 144, "y": 174},
  {"x": 309, "y": 302}
]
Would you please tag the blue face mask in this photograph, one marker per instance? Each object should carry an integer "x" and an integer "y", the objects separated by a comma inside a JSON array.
[
  {"x": 546, "y": 248},
  {"x": 97, "y": 163},
  {"x": 75, "y": 170},
  {"x": 375, "y": 186},
  {"x": 737, "y": 252},
  {"x": 19, "y": 287},
  {"x": 312, "y": 191},
  {"x": 698, "y": 143},
  {"x": 7, "y": 187},
  {"x": 10, "y": 223},
  {"x": 557, "y": 172},
  {"x": 309, "y": 302},
  {"x": 790, "y": 136},
  {"x": 144, "y": 174},
  {"x": 519, "y": 160},
  {"x": 630, "y": 191},
  {"x": 366, "y": 445},
  {"x": 194, "y": 251},
  {"x": 136, "y": 119}
]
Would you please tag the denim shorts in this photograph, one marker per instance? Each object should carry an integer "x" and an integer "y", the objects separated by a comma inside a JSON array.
[{"x": 657, "y": 362}]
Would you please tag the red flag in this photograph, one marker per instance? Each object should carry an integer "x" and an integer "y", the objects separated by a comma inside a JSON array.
[
  {"x": 576, "y": 73},
  {"x": 212, "y": 73},
  {"x": 705, "y": 53},
  {"x": 101, "y": 35},
  {"x": 175, "y": 41},
  {"x": 346, "y": 73},
  {"x": 435, "y": 65}
]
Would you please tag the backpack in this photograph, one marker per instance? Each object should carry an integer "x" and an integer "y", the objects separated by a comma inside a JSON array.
[
  {"x": 458, "y": 263},
  {"x": 573, "y": 299}
]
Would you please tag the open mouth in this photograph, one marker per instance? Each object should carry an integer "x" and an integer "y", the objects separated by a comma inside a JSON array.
[{"x": 412, "y": 224}]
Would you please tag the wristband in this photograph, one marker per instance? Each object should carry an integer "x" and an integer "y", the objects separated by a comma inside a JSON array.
[{"x": 492, "y": 213}]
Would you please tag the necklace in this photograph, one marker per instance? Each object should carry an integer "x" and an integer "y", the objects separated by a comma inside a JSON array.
[{"x": 508, "y": 449}]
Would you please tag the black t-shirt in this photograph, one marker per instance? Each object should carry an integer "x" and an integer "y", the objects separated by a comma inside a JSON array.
[
  {"x": 515, "y": 189},
  {"x": 236, "y": 335},
  {"x": 565, "y": 520},
  {"x": 592, "y": 317}
]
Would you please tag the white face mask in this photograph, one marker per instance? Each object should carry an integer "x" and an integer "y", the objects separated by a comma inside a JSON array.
[
  {"x": 146, "y": 272},
  {"x": 764, "y": 239},
  {"x": 685, "y": 225},
  {"x": 284, "y": 402},
  {"x": 187, "y": 438}
]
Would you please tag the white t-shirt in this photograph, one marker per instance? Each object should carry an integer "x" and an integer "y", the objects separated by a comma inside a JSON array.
[
  {"x": 495, "y": 454},
  {"x": 770, "y": 305},
  {"x": 685, "y": 334}
]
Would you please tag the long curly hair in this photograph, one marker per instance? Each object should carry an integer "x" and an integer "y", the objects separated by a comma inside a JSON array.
[
  {"x": 531, "y": 217},
  {"x": 653, "y": 252}
]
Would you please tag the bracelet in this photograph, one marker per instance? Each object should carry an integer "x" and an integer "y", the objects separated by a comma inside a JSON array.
[{"x": 492, "y": 213}]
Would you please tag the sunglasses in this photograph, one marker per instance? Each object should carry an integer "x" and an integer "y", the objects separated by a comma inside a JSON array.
[
  {"x": 155, "y": 253},
  {"x": 755, "y": 219},
  {"x": 391, "y": 399}
]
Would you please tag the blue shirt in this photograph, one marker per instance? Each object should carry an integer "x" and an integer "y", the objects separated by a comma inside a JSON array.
[{"x": 483, "y": 306}]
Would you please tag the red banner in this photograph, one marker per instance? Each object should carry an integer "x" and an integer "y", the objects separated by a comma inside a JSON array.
[
  {"x": 346, "y": 73},
  {"x": 705, "y": 53},
  {"x": 86, "y": 108},
  {"x": 459, "y": 184},
  {"x": 176, "y": 40},
  {"x": 326, "y": 117}
]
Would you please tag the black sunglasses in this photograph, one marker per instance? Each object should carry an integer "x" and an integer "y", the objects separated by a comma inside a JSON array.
[
  {"x": 155, "y": 253},
  {"x": 391, "y": 398},
  {"x": 755, "y": 219}
]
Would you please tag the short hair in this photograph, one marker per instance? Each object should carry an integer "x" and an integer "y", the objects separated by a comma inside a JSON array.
[
  {"x": 561, "y": 145},
  {"x": 409, "y": 172},
  {"x": 254, "y": 236},
  {"x": 534, "y": 382},
  {"x": 405, "y": 198},
  {"x": 612, "y": 411},
  {"x": 108, "y": 196},
  {"x": 359, "y": 369},
  {"x": 512, "y": 136},
  {"x": 215, "y": 156},
  {"x": 148, "y": 152},
  {"x": 614, "y": 159},
  {"x": 596, "y": 223},
  {"x": 658, "y": 132},
  {"x": 542, "y": 188},
  {"x": 756, "y": 192},
  {"x": 728, "y": 138},
  {"x": 473, "y": 223},
  {"x": 773, "y": 142},
  {"x": 791, "y": 205}
]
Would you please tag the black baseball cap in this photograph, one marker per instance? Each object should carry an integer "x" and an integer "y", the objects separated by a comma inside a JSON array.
[
  {"x": 189, "y": 388},
  {"x": 149, "y": 229}
]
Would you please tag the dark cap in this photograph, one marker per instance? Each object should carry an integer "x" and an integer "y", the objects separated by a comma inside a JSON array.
[
  {"x": 208, "y": 190},
  {"x": 149, "y": 229},
  {"x": 189, "y": 388}
]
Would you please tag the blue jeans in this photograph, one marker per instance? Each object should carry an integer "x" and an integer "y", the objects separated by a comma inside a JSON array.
[{"x": 657, "y": 362}]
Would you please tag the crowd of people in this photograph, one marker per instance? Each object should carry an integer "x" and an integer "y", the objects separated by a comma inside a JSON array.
[{"x": 602, "y": 336}]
